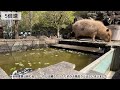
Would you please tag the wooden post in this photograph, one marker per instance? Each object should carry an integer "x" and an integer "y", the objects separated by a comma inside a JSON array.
[
  {"x": 30, "y": 18},
  {"x": 16, "y": 30},
  {"x": 116, "y": 60}
]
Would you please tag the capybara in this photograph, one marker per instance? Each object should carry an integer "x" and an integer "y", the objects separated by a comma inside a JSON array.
[{"x": 91, "y": 28}]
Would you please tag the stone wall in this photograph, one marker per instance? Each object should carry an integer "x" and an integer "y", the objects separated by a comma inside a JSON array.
[{"x": 8, "y": 45}]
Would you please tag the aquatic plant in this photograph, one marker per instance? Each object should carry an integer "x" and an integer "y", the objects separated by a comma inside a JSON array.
[
  {"x": 30, "y": 64},
  {"x": 32, "y": 53},
  {"x": 12, "y": 69},
  {"x": 23, "y": 60},
  {"x": 37, "y": 49},
  {"x": 46, "y": 63},
  {"x": 7, "y": 54},
  {"x": 20, "y": 64},
  {"x": 34, "y": 62},
  {"x": 16, "y": 63},
  {"x": 56, "y": 55},
  {"x": 39, "y": 62}
]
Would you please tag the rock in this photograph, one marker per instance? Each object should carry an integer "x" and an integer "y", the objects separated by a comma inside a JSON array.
[{"x": 44, "y": 73}]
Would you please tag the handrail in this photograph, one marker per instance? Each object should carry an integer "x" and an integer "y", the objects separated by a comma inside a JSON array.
[{"x": 94, "y": 64}]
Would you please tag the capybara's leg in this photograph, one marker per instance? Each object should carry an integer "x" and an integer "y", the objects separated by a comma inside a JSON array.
[
  {"x": 110, "y": 39},
  {"x": 77, "y": 38},
  {"x": 93, "y": 37}
]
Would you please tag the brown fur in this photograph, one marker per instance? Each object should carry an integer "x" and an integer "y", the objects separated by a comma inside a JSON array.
[{"x": 91, "y": 28}]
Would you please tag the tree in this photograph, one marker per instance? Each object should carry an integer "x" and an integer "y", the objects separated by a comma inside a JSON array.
[
  {"x": 82, "y": 14},
  {"x": 23, "y": 24},
  {"x": 48, "y": 19},
  {"x": 58, "y": 19},
  {"x": 30, "y": 18}
]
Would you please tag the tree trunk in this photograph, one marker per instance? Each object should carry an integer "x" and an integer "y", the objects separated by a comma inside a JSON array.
[
  {"x": 58, "y": 31},
  {"x": 16, "y": 30},
  {"x": 30, "y": 18}
]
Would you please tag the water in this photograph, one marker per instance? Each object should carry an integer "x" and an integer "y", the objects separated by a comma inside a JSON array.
[{"x": 43, "y": 57}]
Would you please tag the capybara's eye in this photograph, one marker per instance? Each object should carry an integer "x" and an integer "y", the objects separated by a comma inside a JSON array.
[{"x": 107, "y": 30}]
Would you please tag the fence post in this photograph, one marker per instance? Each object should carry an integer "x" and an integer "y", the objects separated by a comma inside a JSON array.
[{"x": 116, "y": 60}]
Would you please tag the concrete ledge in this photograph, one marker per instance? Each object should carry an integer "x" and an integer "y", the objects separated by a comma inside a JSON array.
[
  {"x": 44, "y": 73},
  {"x": 81, "y": 48},
  {"x": 62, "y": 70},
  {"x": 101, "y": 65},
  {"x": 110, "y": 74}
]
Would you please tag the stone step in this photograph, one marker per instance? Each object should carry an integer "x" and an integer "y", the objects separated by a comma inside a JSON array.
[{"x": 80, "y": 48}]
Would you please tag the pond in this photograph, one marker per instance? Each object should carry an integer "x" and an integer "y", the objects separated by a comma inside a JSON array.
[{"x": 40, "y": 58}]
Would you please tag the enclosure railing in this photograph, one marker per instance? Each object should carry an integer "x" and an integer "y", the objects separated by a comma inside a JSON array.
[{"x": 102, "y": 64}]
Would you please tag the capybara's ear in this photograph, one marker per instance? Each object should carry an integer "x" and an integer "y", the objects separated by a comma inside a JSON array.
[{"x": 107, "y": 30}]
